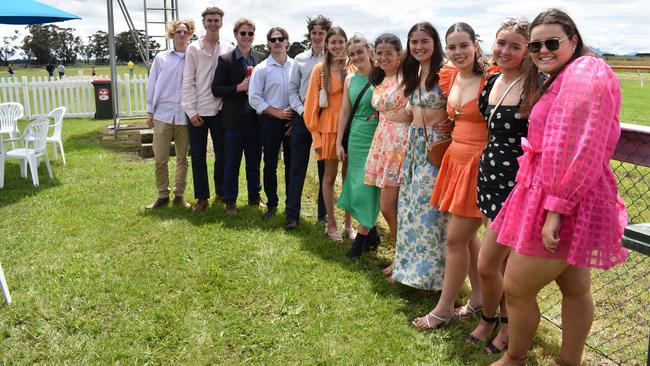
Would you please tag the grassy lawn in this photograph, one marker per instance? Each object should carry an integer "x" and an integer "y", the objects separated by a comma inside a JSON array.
[
  {"x": 72, "y": 70},
  {"x": 97, "y": 280}
]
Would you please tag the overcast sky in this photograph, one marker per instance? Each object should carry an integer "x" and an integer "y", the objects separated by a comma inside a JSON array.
[{"x": 611, "y": 26}]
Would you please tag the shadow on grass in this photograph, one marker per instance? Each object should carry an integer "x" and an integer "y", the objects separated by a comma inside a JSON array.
[{"x": 17, "y": 188}]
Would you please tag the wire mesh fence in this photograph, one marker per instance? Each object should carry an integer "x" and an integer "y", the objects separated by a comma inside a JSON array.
[{"x": 619, "y": 334}]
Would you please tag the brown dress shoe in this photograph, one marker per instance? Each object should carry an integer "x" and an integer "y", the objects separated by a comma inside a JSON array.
[
  {"x": 270, "y": 212},
  {"x": 231, "y": 209},
  {"x": 200, "y": 206},
  {"x": 180, "y": 201},
  {"x": 160, "y": 202}
]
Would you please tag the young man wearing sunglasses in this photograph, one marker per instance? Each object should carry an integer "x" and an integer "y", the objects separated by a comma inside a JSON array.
[
  {"x": 317, "y": 28},
  {"x": 239, "y": 120},
  {"x": 269, "y": 95}
]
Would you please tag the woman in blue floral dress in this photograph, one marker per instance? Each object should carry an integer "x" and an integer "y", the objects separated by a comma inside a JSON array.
[{"x": 421, "y": 229}]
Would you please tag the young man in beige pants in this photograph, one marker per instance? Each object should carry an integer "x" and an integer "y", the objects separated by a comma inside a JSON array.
[{"x": 165, "y": 114}]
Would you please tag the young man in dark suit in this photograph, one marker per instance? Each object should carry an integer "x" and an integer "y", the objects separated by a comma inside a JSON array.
[{"x": 239, "y": 119}]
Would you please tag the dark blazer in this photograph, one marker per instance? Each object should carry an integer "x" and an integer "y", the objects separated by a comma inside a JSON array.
[{"x": 228, "y": 74}]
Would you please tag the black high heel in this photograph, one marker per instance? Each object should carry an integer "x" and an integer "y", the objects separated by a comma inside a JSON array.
[
  {"x": 490, "y": 348},
  {"x": 493, "y": 320},
  {"x": 373, "y": 240},
  {"x": 358, "y": 246}
]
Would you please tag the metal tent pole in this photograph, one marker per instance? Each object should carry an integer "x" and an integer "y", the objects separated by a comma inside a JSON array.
[{"x": 111, "y": 55}]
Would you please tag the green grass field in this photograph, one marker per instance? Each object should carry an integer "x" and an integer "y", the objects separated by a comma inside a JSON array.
[{"x": 96, "y": 279}]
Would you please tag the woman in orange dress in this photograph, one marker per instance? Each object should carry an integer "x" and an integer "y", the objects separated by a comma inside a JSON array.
[
  {"x": 322, "y": 120},
  {"x": 455, "y": 189}
]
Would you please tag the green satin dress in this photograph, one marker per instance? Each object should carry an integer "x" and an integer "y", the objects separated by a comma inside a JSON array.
[{"x": 358, "y": 198}]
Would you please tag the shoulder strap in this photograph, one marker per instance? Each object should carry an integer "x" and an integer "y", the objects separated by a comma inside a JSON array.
[{"x": 356, "y": 102}]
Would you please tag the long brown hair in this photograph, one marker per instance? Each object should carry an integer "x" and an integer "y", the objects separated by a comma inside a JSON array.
[
  {"x": 557, "y": 16},
  {"x": 528, "y": 68},
  {"x": 328, "y": 56},
  {"x": 411, "y": 66}
]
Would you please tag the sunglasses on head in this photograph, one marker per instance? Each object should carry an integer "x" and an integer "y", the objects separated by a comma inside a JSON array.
[
  {"x": 551, "y": 44},
  {"x": 243, "y": 34},
  {"x": 276, "y": 39}
]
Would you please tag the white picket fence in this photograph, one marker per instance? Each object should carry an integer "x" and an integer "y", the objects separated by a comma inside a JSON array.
[{"x": 40, "y": 95}]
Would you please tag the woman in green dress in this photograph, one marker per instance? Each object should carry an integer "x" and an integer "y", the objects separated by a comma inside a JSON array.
[{"x": 358, "y": 198}]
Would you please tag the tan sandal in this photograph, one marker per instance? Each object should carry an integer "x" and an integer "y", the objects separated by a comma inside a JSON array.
[
  {"x": 335, "y": 236},
  {"x": 467, "y": 310},
  {"x": 429, "y": 318},
  {"x": 350, "y": 233}
]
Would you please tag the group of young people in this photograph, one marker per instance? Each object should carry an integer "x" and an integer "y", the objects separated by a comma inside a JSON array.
[{"x": 531, "y": 131}]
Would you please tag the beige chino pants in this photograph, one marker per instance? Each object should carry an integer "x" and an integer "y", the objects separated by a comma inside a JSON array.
[{"x": 162, "y": 138}]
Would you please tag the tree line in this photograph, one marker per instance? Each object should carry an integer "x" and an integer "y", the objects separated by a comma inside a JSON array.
[
  {"x": 53, "y": 44},
  {"x": 48, "y": 43}
]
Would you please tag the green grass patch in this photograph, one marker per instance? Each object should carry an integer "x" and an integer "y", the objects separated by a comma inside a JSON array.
[{"x": 97, "y": 280}]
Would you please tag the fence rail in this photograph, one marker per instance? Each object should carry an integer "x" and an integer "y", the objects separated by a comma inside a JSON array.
[
  {"x": 40, "y": 95},
  {"x": 622, "y": 294}
]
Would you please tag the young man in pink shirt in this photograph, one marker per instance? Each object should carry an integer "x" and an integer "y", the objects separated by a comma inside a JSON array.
[{"x": 202, "y": 107}]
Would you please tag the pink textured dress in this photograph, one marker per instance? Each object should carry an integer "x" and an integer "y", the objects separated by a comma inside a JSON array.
[{"x": 573, "y": 131}]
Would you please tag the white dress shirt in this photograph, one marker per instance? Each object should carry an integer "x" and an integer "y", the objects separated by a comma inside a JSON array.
[
  {"x": 164, "y": 87},
  {"x": 197, "y": 78},
  {"x": 300, "y": 73},
  {"x": 269, "y": 85}
]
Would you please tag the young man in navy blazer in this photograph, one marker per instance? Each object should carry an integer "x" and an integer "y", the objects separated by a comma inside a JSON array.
[{"x": 239, "y": 120}]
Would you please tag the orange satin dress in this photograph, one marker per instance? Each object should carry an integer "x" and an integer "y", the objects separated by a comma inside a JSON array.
[
  {"x": 323, "y": 124},
  {"x": 455, "y": 189}
]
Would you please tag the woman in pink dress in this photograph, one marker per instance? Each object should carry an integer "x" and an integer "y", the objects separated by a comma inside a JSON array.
[
  {"x": 384, "y": 163},
  {"x": 564, "y": 215}
]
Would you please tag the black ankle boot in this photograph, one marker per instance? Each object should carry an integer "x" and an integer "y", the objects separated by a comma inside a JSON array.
[
  {"x": 373, "y": 240},
  {"x": 358, "y": 245}
]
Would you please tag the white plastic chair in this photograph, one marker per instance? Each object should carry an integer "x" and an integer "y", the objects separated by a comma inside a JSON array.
[
  {"x": 55, "y": 138},
  {"x": 10, "y": 113},
  {"x": 35, "y": 134}
]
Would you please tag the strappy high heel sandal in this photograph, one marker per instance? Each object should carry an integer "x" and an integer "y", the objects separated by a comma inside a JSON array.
[
  {"x": 490, "y": 348},
  {"x": 493, "y": 320},
  {"x": 335, "y": 236},
  {"x": 429, "y": 318}
]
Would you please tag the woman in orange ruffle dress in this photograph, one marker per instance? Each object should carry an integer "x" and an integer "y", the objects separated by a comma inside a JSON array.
[
  {"x": 322, "y": 122},
  {"x": 455, "y": 188}
]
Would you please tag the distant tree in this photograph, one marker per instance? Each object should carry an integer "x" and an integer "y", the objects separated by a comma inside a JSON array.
[
  {"x": 8, "y": 47},
  {"x": 126, "y": 48},
  {"x": 37, "y": 45},
  {"x": 261, "y": 48},
  {"x": 97, "y": 46},
  {"x": 49, "y": 43},
  {"x": 297, "y": 47},
  {"x": 67, "y": 46}
]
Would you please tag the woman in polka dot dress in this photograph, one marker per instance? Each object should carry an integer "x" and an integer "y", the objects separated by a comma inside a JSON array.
[{"x": 514, "y": 87}]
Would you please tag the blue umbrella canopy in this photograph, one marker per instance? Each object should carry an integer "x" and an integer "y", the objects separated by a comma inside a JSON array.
[{"x": 32, "y": 12}]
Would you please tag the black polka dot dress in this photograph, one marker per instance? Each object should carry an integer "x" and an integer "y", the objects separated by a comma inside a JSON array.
[{"x": 498, "y": 164}]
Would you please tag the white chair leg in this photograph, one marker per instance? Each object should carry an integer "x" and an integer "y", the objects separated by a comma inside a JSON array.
[
  {"x": 23, "y": 168},
  {"x": 62, "y": 153},
  {"x": 2, "y": 170},
  {"x": 33, "y": 167},
  {"x": 5, "y": 287},
  {"x": 54, "y": 153},
  {"x": 49, "y": 167}
]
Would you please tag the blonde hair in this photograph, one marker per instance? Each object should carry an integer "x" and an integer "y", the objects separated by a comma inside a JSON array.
[{"x": 173, "y": 25}]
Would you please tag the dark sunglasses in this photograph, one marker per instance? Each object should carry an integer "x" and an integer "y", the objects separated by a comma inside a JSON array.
[
  {"x": 276, "y": 39},
  {"x": 551, "y": 44},
  {"x": 243, "y": 34}
]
